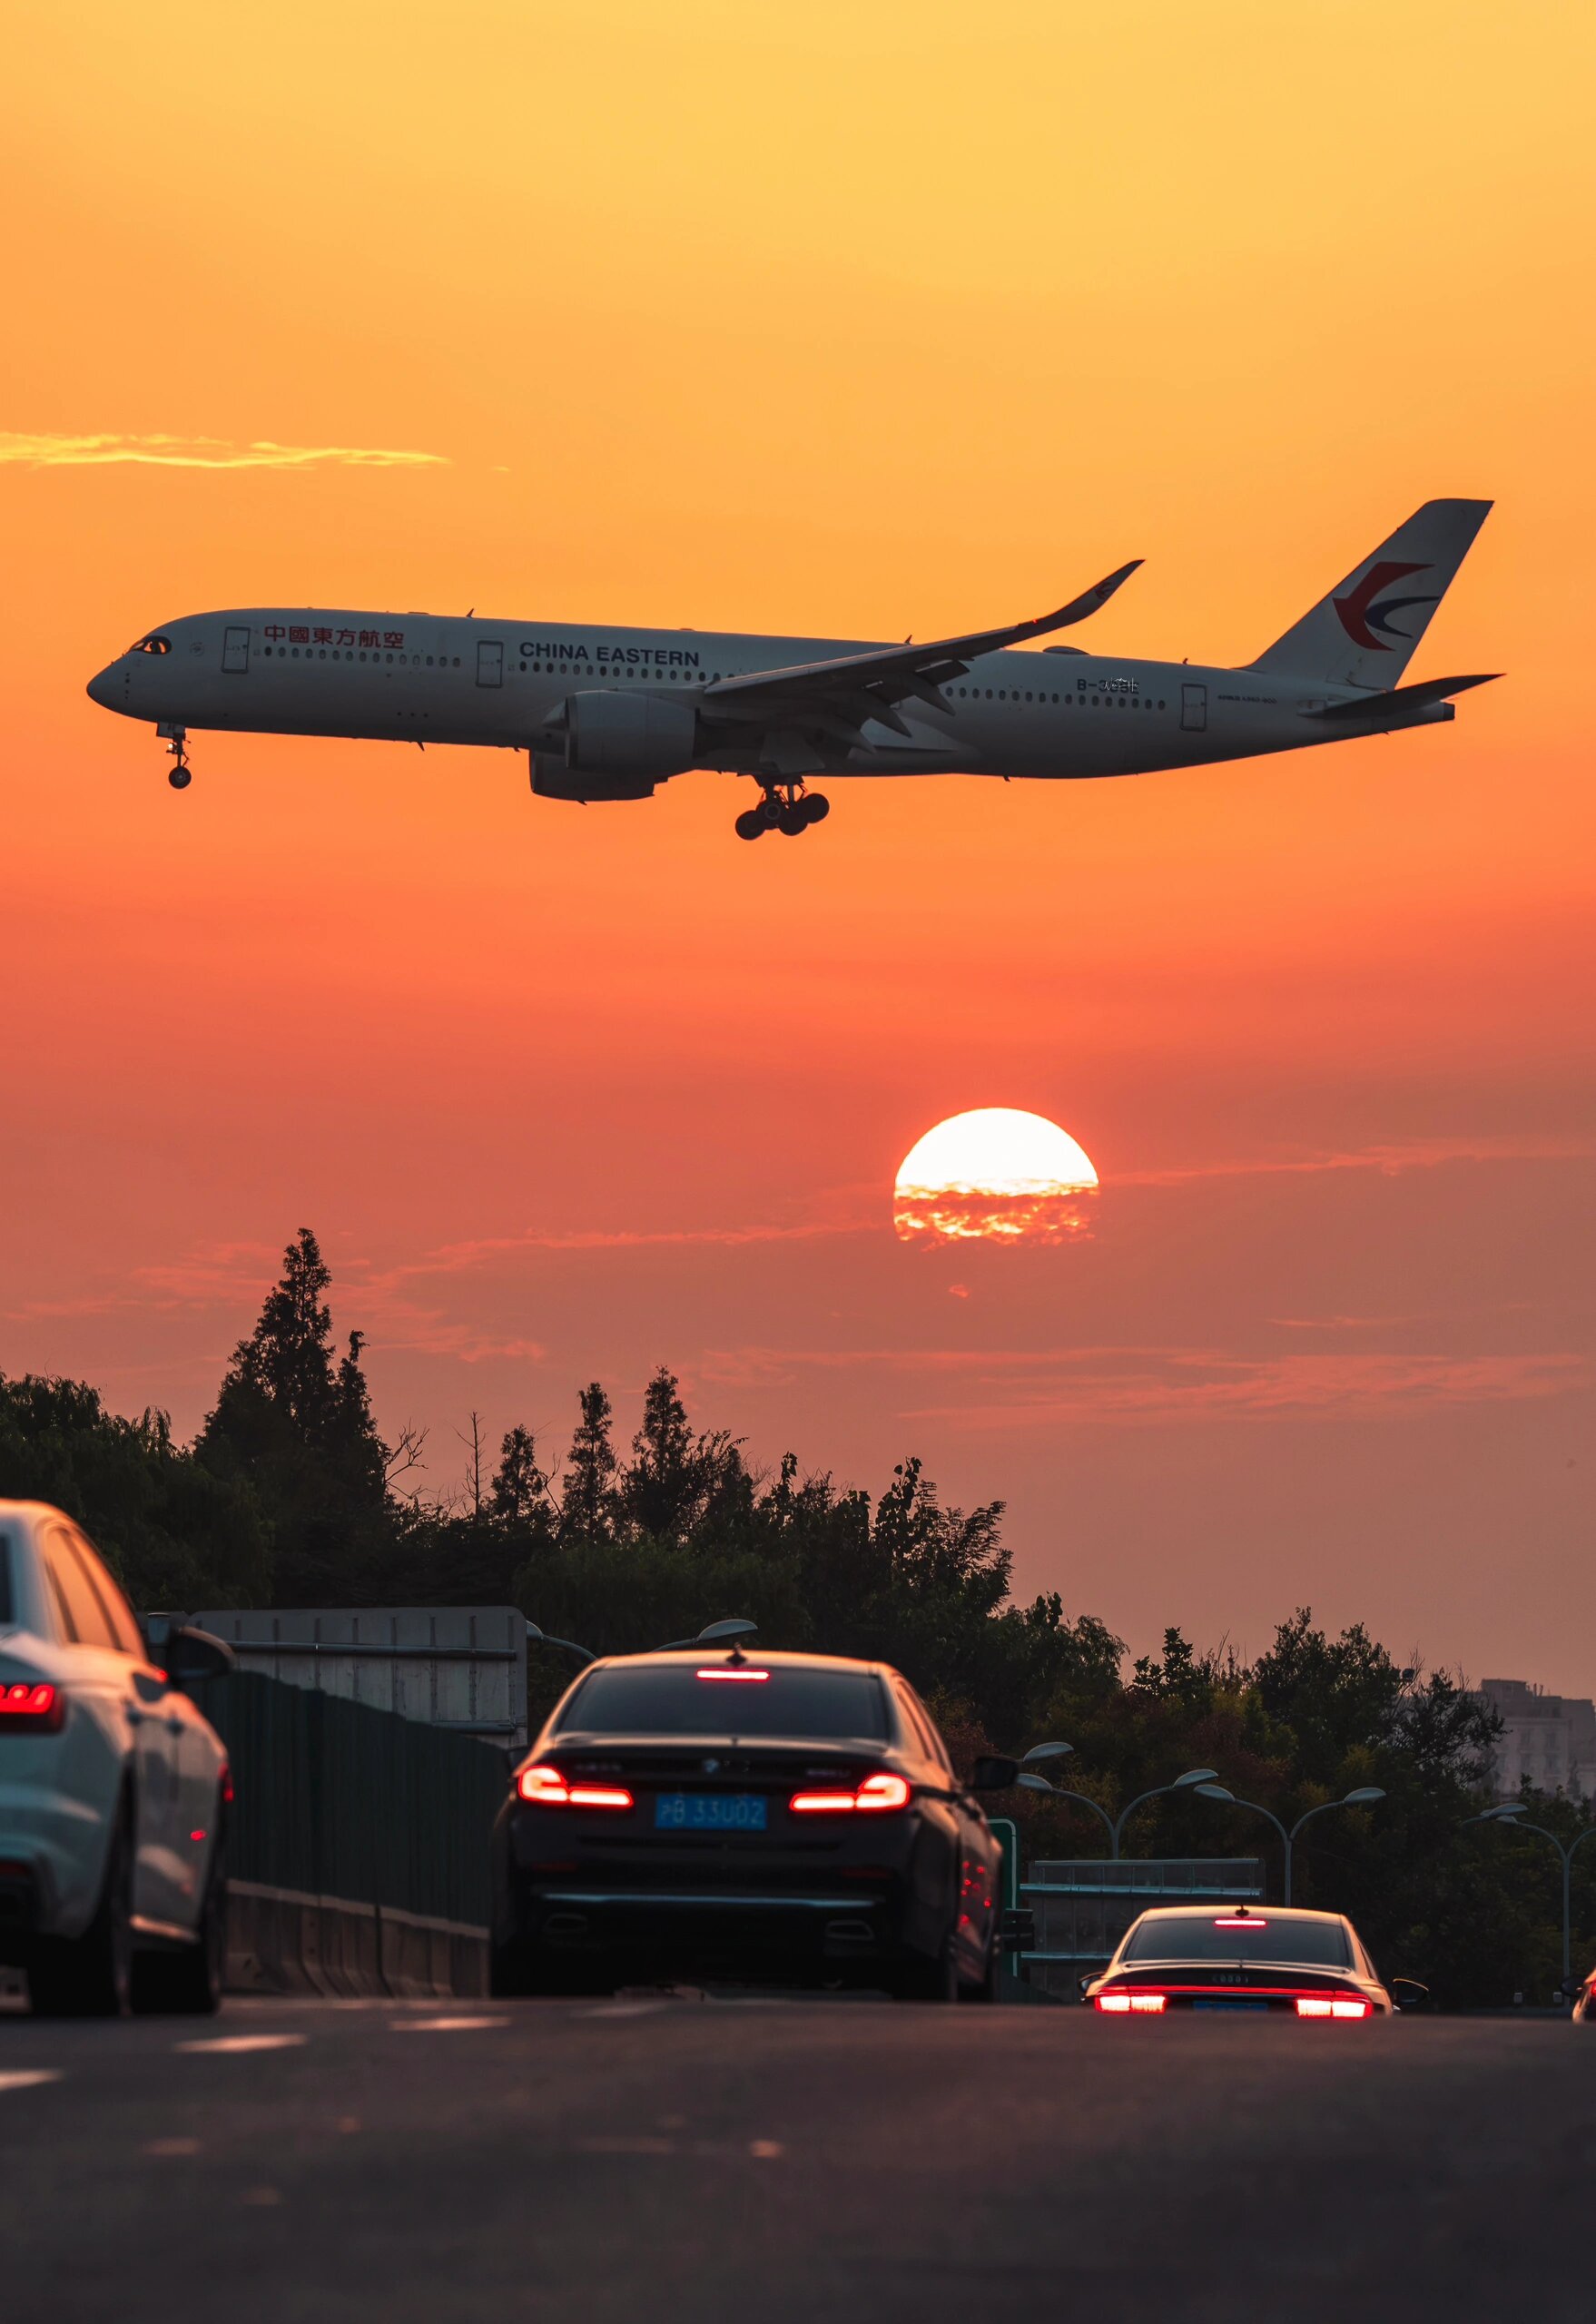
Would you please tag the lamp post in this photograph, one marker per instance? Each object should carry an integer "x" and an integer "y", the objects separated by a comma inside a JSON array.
[
  {"x": 535, "y": 1637},
  {"x": 1364, "y": 1797},
  {"x": 712, "y": 1634},
  {"x": 1509, "y": 1815},
  {"x": 1192, "y": 1780},
  {"x": 1115, "y": 1828},
  {"x": 1027, "y": 1782}
]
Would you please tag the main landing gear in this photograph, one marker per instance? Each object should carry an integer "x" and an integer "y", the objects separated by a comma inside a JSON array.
[
  {"x": 785, "y": 807},
  {"x": 180, "y": 774}
]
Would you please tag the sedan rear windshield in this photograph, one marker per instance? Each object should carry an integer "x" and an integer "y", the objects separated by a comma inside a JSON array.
[
  {"x": 674, "y": 1700},
  {"x": 1265, "y": 1937}
]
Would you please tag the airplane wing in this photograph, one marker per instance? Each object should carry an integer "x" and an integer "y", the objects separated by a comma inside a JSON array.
[{"x": 855, "y": 688}]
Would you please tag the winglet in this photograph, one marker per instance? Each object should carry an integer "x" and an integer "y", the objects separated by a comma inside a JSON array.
[{"x": 1089, "y": 602}]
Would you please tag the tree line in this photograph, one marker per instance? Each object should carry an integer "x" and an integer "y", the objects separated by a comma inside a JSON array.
[{"x": 290, "y": 1496}]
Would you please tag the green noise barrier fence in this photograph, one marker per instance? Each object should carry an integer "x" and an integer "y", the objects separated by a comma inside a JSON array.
[{"x": 357, "y": 1844}]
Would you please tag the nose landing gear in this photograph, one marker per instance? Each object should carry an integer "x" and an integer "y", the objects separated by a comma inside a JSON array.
[
  {"x": 785, "y": 807},
  {"x": 180, "y": 774}
]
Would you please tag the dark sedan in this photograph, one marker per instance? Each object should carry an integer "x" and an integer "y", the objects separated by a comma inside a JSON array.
[
  {"x": 787, "y": 1817},
  {"x": 1260, "y": 1962}
]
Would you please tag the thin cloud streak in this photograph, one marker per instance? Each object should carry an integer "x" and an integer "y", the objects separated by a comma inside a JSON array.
[
  {"x": 1420, "y": 1154},
  {"x": 20, "y": 450},
  {"x": 1046, "y": 1388}
]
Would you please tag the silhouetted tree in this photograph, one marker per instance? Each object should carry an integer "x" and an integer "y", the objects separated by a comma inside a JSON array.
[
  {"x": 587, "y": 1503},
  {"x": 520, "y": 1488},
  {"x": 177, "y": 1536},
  {"x": 299, "y": 1428}
]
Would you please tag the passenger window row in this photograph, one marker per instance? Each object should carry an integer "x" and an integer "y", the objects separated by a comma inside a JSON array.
[
  {"x": 1077, "y": 700},
  {"x": 320, "y": 654}
]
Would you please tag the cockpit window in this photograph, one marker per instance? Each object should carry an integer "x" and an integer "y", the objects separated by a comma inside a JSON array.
[{"x": 155, "y": 643}]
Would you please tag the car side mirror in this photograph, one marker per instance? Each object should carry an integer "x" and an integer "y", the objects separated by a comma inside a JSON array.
[
  {"x": 991, "y": 1773},
  {"x": 188, "y": 1654},
  {"x": 1408, "y": 1993}
]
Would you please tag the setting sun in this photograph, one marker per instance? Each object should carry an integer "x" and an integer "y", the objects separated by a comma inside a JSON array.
[{"x": 996, "y": 1174}]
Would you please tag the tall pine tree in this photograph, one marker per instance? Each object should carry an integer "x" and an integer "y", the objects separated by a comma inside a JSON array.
[
  {"x": 587, "y": 1501},
  {"x": 297, "y": 1425}
]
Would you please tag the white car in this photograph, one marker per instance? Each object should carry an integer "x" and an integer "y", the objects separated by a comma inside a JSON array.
[{"x": 114, "y": 1788}]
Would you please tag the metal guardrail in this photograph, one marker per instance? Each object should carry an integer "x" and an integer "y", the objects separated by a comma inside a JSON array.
[{"x": 335, "y": 1798}]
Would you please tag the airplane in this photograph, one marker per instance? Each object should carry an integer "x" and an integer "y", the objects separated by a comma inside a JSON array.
[{"x": 610, "y": 714}]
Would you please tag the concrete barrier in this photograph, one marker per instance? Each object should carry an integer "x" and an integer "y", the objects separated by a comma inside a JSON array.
[{"x": 282, "y": 1941}]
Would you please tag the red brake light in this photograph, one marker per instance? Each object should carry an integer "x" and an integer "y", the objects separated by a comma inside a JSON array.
[
  {"x": 1132, "y": 2005},
  {"x": 546, "y": 1786},
  {"x": 1314, "y": 2006},
  {"x": 226, "y": 1784},
  {"x": 35, "y": 1708},
  {"x": 738, "y": 1675},
  {"x": 1243, "y": 1920},
  {"x": 875, "y": 1794}
]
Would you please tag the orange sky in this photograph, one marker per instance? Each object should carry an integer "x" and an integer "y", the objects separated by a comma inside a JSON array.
[{"x": 858, "y": 322}]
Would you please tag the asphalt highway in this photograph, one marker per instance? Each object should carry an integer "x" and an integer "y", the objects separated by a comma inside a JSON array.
[{"x": 768, "y": 2161}]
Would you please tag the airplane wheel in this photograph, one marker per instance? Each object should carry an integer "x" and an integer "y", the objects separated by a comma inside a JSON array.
[
  {"x": 750, "y": 825},
  {"x": 816, "y": 807},
  {"x": 180, "y": 778},
  {"x": 792, "y": 820}
]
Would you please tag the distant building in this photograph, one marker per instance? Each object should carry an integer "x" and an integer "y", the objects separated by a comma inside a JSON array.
[{"x": 1548, "y": 1741}]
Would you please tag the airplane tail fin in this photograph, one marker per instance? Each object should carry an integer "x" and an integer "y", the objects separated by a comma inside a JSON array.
[{"x": 1365, "y": 632}]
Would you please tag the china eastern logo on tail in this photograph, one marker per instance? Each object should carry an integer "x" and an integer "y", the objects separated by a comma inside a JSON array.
[{"x": 1361, "y": 616}]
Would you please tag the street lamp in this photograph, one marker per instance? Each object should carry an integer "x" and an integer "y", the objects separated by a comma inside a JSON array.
[
  {"x": 1193, "y": 1779},
  {"x": 1027, "y": 1781},
  {"x": 1364, "y": 1797},
  {"x": 1509, "y": 1815},
  {"x": 711, "y": 1634},
  {"x": 535, "y": 1637},
  {"x": 1031, "y": 1782}
]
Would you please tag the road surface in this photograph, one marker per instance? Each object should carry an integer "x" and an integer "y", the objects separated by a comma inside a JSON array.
[{"x": 647, "y": 2158}]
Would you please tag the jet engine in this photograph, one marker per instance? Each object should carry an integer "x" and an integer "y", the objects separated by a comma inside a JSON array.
[
  {"x": 553, "y": 779},
  {"x": 638, "y": 735}
]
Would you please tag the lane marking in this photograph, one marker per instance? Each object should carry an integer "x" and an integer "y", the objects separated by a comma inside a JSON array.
[
  {"x": 172, "y": 2146},
  {"x": 29, "y": 2081},
  {"x": 766, "y": 2149},
  {"x": 445, "y": 2025},
  {"x": 261, "y": 2198},
  {"x": 625, "y": 2009},
  {"x": 235, "y": 2044}
]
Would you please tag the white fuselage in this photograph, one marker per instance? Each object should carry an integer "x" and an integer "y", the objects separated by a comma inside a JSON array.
[{"x": 1058, "y": 713}]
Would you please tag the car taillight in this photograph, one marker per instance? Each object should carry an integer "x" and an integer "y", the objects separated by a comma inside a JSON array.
[
  {"x": 874, "y": 1794},
  {"x": 1312, "y": 2005},
  {"x": 734, "y": 1676},
  {"x": 1132, "y": 2005},
  {"x": 226, "y": 1783},
  {"x": 32, "y": 1708},
  {"x": 546, "y": 1786}
]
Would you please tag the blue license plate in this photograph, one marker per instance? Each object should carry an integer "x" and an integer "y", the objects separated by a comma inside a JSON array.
[
  {"x": 709, "y": 1811},
  {"x": 1248, "y": 2008}
]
